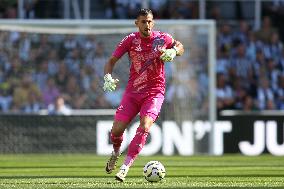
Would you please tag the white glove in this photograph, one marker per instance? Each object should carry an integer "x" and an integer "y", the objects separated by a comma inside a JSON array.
[
  {"x": 168, "y": 55},
  {"x": 110, "y": 83}
]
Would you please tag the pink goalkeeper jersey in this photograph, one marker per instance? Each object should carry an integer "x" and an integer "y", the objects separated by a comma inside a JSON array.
[{"x": 147, "y": 69}]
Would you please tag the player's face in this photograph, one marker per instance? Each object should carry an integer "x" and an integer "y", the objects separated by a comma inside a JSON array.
[{"x": 145, "y": 25}]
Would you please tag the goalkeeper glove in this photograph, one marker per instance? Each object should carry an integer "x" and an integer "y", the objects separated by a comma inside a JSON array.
[
  {"x": 168, "y": 55},
  {"x": 110, "y": 83}
]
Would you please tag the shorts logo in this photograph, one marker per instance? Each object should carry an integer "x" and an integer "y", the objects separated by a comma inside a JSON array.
[{"x": 154, "y": 107}]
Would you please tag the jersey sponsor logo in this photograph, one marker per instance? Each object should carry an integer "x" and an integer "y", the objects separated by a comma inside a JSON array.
[{"x": 150, "y": 60}]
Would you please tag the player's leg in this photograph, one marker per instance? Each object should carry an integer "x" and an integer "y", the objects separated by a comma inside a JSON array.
[
  {"x": 116, "y": 137},
  {"x": 135, "y": 146},
  {"x": 124, "y": 114},
  {"x": 149, "y": 112}
]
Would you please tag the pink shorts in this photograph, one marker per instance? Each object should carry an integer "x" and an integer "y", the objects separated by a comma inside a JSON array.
[{"x": 132, "y": 104}]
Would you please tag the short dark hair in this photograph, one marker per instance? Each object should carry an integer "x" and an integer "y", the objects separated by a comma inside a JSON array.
[{"x": 144, "y": 12}]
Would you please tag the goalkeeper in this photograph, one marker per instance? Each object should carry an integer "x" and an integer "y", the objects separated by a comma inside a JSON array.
[{"x": 147, "y": 50}]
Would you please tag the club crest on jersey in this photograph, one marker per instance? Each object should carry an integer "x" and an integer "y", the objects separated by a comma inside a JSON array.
[{"x": 157, "y": 44}]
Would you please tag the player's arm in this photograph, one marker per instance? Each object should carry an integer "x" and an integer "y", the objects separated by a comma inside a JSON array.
[
  {"x": 109, "y": 82},
  {"x": 110, "y": 65},
  {"x": 121, "y": 49},
  {"x": 179, "y": 48},
  {"x": 168, "y": 55}
]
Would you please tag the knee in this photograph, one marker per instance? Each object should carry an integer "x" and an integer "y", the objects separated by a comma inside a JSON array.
[
  {"x": 145, "y": 124},
  {"x": 117, "y": 129}
]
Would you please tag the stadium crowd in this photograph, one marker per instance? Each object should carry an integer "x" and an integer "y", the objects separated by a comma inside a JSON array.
[
  {"x": 35, "y": 70},
  {"x": 250, "y": 68}
]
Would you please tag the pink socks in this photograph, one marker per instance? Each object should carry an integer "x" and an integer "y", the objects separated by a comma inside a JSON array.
[
  {"x": 116, "y": 142},
  {"x": 136, "y": 146}
]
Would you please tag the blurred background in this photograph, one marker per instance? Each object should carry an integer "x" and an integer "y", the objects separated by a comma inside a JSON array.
[{"x": 49, "y": 73}]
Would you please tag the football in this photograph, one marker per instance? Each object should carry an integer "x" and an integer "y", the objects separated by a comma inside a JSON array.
[{"x": 154, "y": 171}]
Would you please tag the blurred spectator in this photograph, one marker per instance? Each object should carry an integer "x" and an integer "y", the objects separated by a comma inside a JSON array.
[
  {"x": 252, "y": 46},
  {"x": 53, "y": 61},
  {"x": 114, "y": 98},
  {"x": 94, "y": 98},
  {"x": 73, "y": 61},
  {"x": 222, "y": 62},
  {"x": 274, "y": 48},
  {"x": 272, "y": 73},
  {"x": 224, "y": 37},
  {"x": 259, "y": 65},
  {"x": 89, "y": 43},
  {"x": 249, "y": 104},
  {"x": 86, "y": 76},
  {"x": 240, "y": 93},
  {"x": 279, "y": 93},
  {"x": 14, "y": 68},
  {"x": 224, "y": 93},
  {"x": 29, "y": 8},
  {"x": 69, "y": 43},
  {"x": 240, "y": 65},
  {"x": 59, "y": 107},
  {"x": 275, "y": 9},
  {"x": 50, "y": 92},
  {"x": 99, "y": 60},
  {"x": 73, "y": 93},
  {"x": 241, "y": 34},
  {"x": 280, "y": 64},
  {"x": 41, "y": 74},
  {"x": 61, "y": 77},
  {"x": 33, "y": 104},
  {"x": 24, "y": 90},
  {"x": 24, "y": 46},
  {"x": 265, "y": 94},
  {"x": 5, "y": 97},
  {"x": 181, "y": 90},
  {"x": 266, "y": 30}
]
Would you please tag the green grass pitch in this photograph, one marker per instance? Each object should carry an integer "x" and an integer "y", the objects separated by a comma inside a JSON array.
[{"x": 36, "y": 171}]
